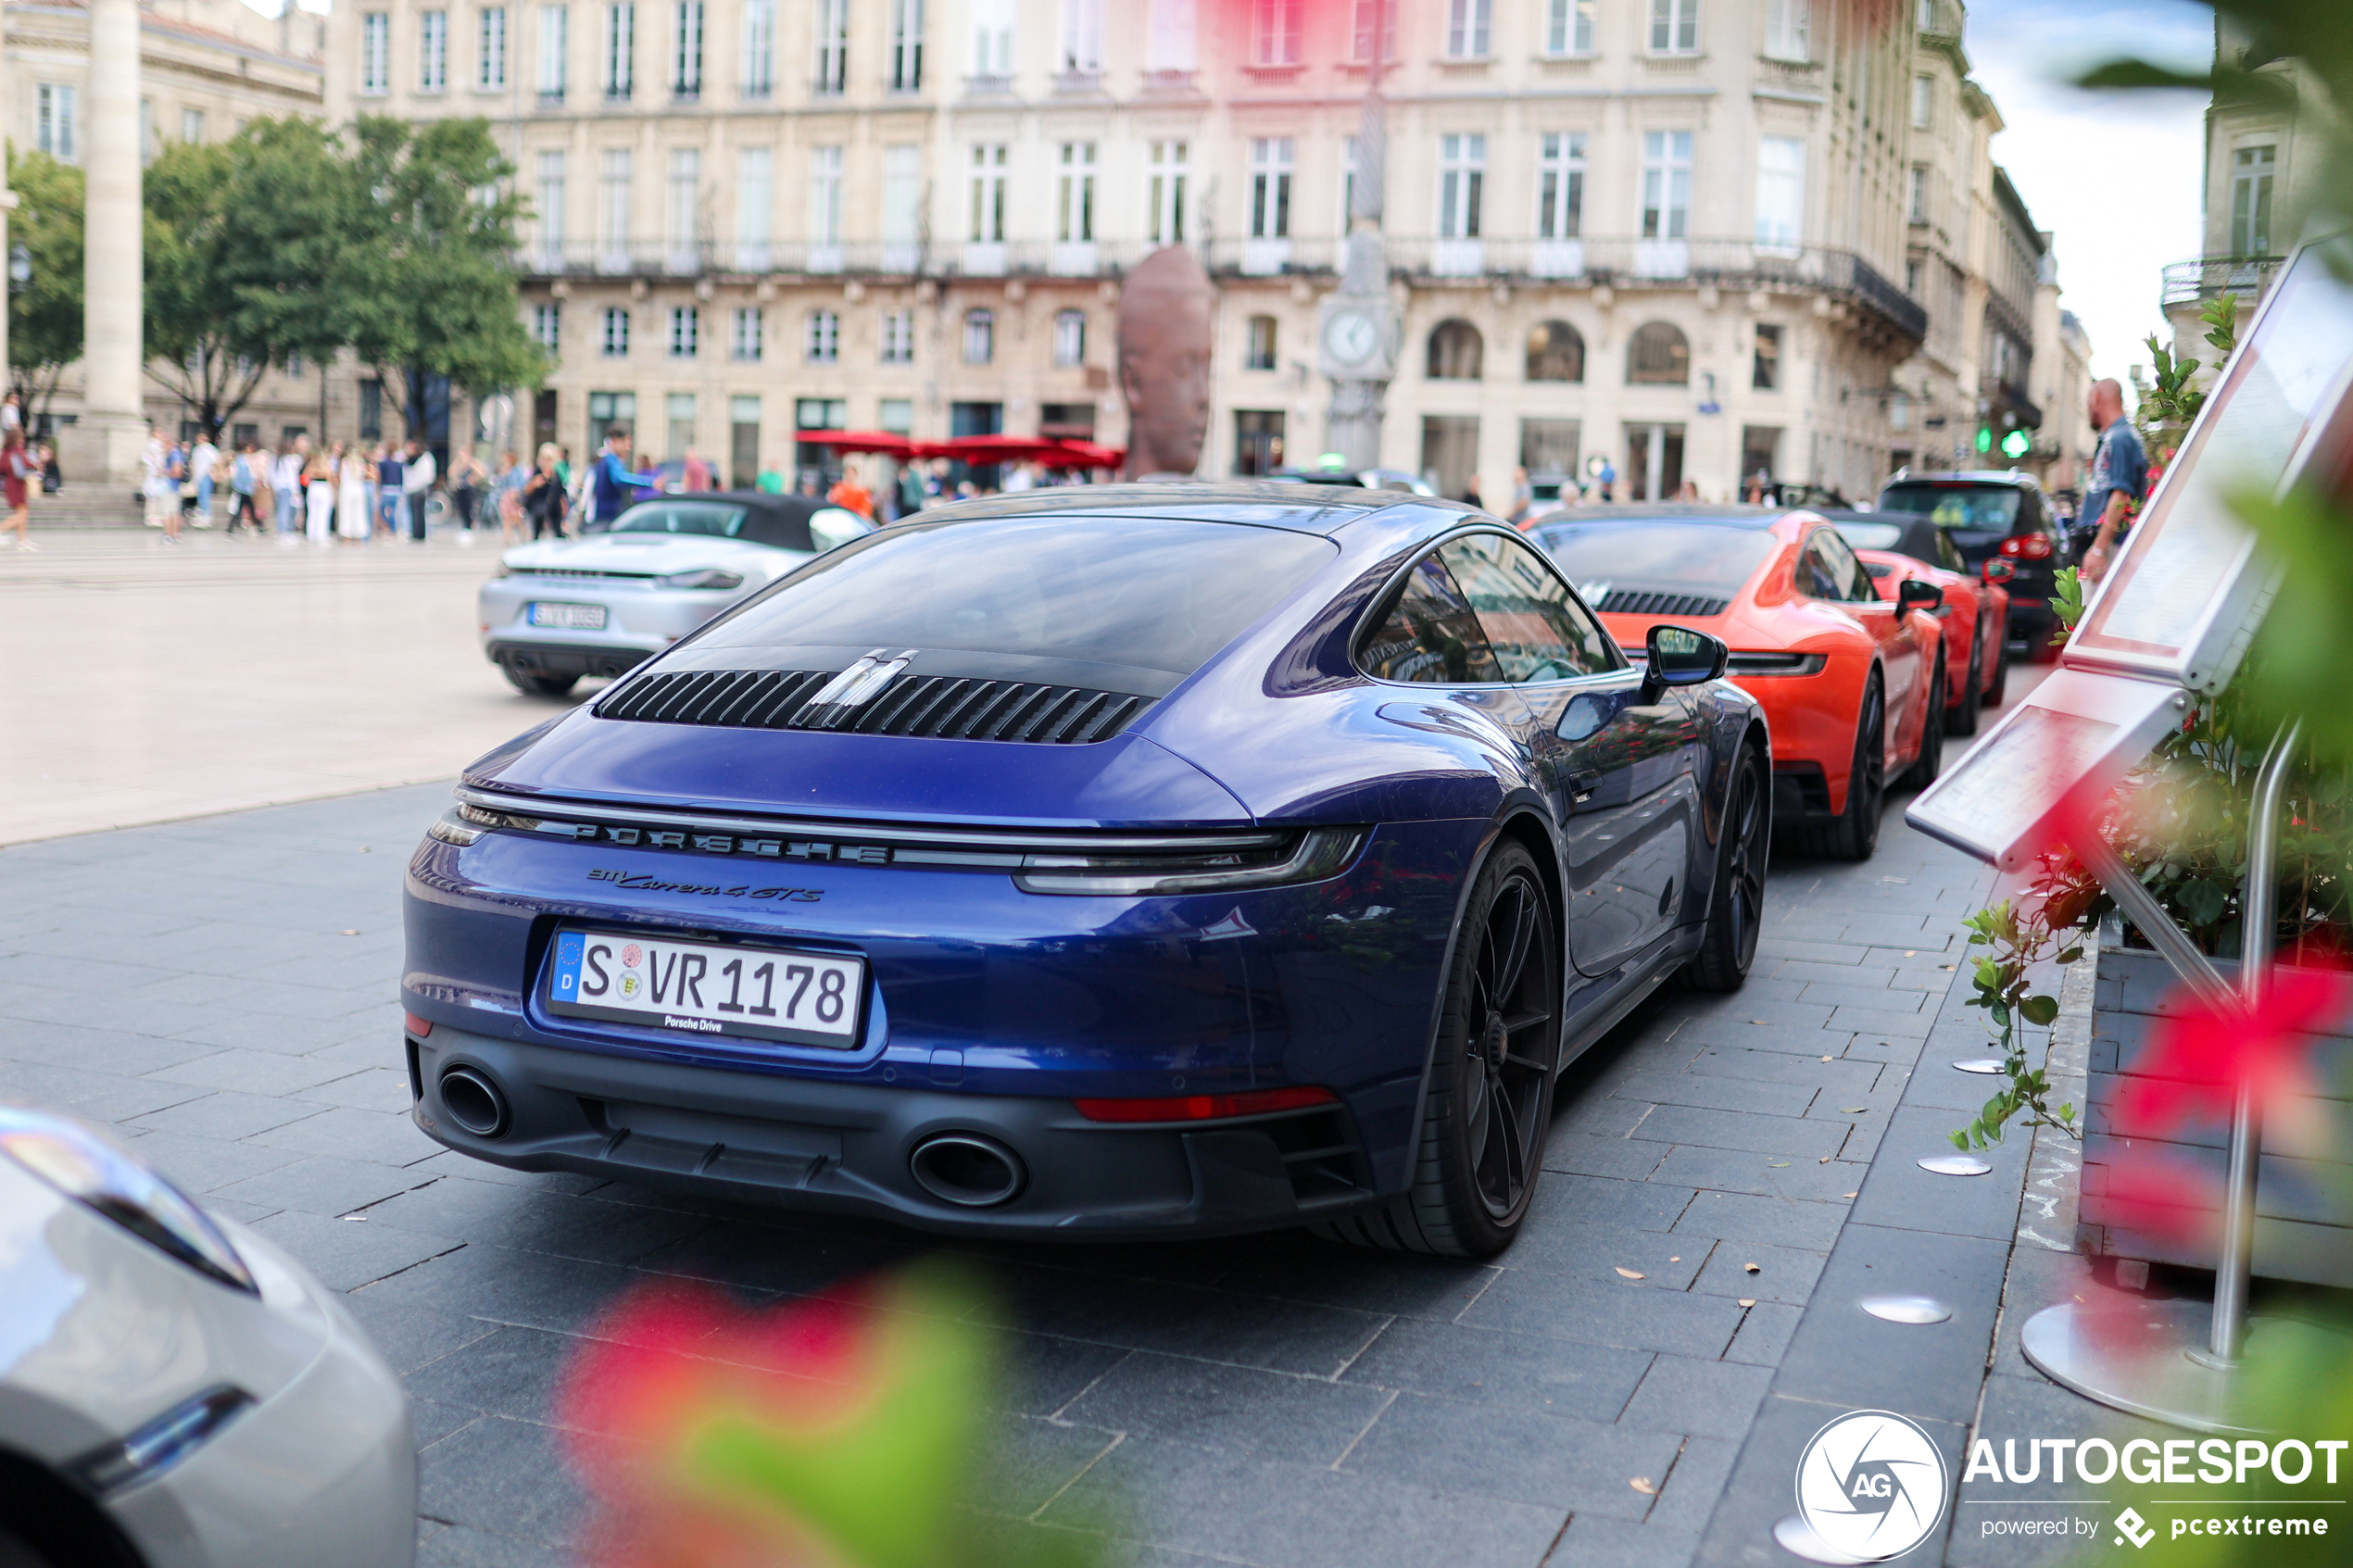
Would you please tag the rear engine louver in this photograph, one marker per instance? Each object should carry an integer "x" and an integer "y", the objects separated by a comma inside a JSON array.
[
  {"x": 1626, "y": 601},
  {"x": 939, "y": 706}
]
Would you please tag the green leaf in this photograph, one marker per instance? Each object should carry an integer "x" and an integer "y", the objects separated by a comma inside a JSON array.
[{"x": 2040, "y": 1009}]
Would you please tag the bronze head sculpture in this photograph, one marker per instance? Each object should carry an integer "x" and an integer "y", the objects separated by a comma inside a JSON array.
[{"x": 1167, "y": 311}]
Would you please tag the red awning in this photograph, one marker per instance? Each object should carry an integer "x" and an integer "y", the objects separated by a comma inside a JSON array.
[{"x": 880, "y": 441}]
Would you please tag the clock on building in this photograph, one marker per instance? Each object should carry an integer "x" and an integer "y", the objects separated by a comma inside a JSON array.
[{"x": 1357, "y": 339}]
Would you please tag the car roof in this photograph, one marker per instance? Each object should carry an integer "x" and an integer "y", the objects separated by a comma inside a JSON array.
[
  {"x": 1671, "y": 511},
  {"x": 2010, "y": 477},
  {"x": 1308, "y": 508}
]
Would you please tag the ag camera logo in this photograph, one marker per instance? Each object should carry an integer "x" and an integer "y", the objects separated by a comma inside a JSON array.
[{"x": 1871, "y": 1485}]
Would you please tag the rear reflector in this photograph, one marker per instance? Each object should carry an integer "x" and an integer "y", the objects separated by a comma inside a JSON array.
[
  {"x": 420, "y": 1027},
  {"x": 1206, "y": 1108}
]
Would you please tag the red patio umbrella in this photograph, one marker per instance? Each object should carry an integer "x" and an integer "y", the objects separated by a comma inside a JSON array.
[
  {"x": 991, "y": 448},
  {"x": 1074, "y": 454},
  {"x": 879, "y": 441}
]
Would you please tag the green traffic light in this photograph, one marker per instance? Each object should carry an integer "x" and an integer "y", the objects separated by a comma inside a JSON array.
[
  {"x": 1985, "y": 438},
  {"x": 2017, "y": 444}
]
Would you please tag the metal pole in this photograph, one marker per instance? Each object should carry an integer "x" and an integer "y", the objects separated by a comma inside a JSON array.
[
  {"x": 2146, "y": 912},
  {"x": 2258, "y": 927}
]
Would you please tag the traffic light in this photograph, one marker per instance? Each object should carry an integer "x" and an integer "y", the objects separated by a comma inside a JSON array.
[
  {"x": 2016, "y": 444},
  {"x": 1985, "y": 438}
]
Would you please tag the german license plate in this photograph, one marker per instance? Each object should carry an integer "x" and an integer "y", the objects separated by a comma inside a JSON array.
[
  {"x": 572, "y": 618},
  {"x": 708, "y": 988}
]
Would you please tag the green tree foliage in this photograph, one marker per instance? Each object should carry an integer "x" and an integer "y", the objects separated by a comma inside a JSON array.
[
  {"x": 44, "y": 319},
  {"x": 431, "y": 289}
]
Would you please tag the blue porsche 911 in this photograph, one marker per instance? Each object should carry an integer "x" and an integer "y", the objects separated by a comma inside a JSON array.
[{"x": 1105, "y": 862}]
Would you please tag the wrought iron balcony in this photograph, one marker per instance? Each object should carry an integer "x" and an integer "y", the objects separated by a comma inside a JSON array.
[{"x": 2187, "y": 282}]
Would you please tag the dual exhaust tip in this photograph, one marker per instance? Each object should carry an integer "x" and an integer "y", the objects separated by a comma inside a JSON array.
[{"x": 969, "y": 1170}]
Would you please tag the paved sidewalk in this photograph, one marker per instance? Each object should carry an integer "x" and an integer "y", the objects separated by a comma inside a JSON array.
[{"x": 1619, "y": 1388}]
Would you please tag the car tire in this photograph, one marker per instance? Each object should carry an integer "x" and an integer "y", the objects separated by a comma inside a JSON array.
[
  {"x": 1961, "y": 718},
  {"x": 1998, "y": 688},
  {"x": 1931, "y": 757},
  {"x": 1852, "y": 835},
  {"x": 1736, "y": 902},
  {"x": 539, "y": 686},
  {"x": 1475, "y": 1170}
]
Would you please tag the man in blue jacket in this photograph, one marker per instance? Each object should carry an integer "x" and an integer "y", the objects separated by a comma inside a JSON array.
[{"x": 613, "y": 486}]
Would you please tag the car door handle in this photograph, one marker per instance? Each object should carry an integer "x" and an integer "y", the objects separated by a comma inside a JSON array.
[{"x": 1583, "y": 783}]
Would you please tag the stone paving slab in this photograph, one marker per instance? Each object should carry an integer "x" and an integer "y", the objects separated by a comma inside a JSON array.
[{"x": 1272, "y": 1400}]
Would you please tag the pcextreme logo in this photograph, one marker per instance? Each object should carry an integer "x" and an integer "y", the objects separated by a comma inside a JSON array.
[{"x": 1871, "y": 1485}]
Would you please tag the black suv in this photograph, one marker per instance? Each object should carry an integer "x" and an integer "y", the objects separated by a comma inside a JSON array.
[{"x": 1996, "y": 516}]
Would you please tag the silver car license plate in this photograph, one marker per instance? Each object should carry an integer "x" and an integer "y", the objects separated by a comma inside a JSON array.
[
  {"x": 708, "y": 988},
  {"x": 572, "y": 618}
]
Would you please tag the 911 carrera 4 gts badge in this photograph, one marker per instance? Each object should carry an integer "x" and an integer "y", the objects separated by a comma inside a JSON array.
[{"x": 637, "y": 884}]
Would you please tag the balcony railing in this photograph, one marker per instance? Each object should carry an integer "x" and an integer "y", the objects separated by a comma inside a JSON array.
[{"x": 2186, "y": 283}]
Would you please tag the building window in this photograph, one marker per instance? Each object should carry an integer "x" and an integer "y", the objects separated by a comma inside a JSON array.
[
  {"x": 433, "y": 51},
  {"x": 375, "y": 52},
  {"x": 548, "y": 326},
  {"x": 1666, "y": 184},
  {"x": 1555, "y": 352},
  {"x": 1169, "y": 48},
  {"x": 614, "y": 341},
  {"x": 899, "y": 337},
  {"x": 1787, "y": 24},
  {"x": 1274, "y": 32},
  {"x": 760, "y": 48},
  {"x": 1467, "y": 24},
  {"x": 1457, "y": 351},
  {"x": 1658, "y": 356},
  {"x": 1568, "y": 27},
  {"x": 993, "y": 39},
  {"x": 371, "y": 411},
  {"x": 1258, "y": 344},
  {"x": 1360, "y": 30},
  {"x": 825, "y": 337},
  {"x": 980, "y": 337},
  {"x": 1914, "y": 278},
  {"x": 620, "y": 49},
  {"x": 1674, "y": 27},
  {"x": 1560, "y": 194},
  {"x": 1070, "y": 338},
  {"x": 293, "y": 366},
  {"x": 685, "y": 65},
  {"x": 1923, "y": 102},
  {"x": 613, "y": 197},
  {"x": 1075, "y": 206},
  {"x": 2251, "y": 172},
  {"x": 1258, "y": 440},
  {"x": 897, "y": 415},
  {"x": 902, "y": 207},
  {"x": 1765, "y": 367},
  {"x": 990, "y": 160},
  {"x": 1461, "y": 174},
  {"x": 748, "y": 334},
  {"x": 1928, "y": 16},
  {"x": 192, "y": 126},
  {"x": 1082, "y": 52},
  {"x": 906, "y": 45},
  {"x": 550, "y": 206},
  {"x": 685, "y": 331},
  {"x": 1916, "y": 207},
  {"x": 555, "y": 40},
  {"x": 1167, "y": 193},
  {"x": 1781, "y": 192},
  {"x": 491, "y": 67},
  {"x": 684, "y": 207},
  {"x": 680, "y": 407},
  {"x": 825, "y": 196},
  {"x": 833, "y": 46},
  {"x": 755, "y": 203},
  {"x": 1270, "y": 171}
]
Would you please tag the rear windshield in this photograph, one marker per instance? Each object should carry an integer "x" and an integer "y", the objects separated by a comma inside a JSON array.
[
  {"x": 787, "y": 530},
  {"x": 681, "y": 516},
  {"x": 1156, "y": 594},
  {"x": 1988, "y": 505},
  {"x": 1690, "y": 557}
]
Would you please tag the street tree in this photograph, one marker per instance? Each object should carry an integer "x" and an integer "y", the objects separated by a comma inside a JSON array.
[
  {"x": 44, "y": 315},
  {"x": 429, "y": 276}
]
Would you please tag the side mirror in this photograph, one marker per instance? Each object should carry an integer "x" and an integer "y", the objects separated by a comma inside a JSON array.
[
  {"x": 1916, "y": 594},
  {"x": 1999, "y": 570},
  {"x": 1680, "y": 657}
]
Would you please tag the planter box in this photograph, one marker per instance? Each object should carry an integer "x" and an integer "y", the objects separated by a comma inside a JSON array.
[{"x": 2304, "y": 1190}]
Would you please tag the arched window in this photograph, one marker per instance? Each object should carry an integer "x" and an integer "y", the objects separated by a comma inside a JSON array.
[
  {"x": 1555, "y": 352},
  {"x": 1456, "y": 351},
  {"x": 1659, "y": 356}
]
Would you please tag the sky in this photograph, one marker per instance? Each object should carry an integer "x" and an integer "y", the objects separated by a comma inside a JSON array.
[{"x": 2116, "y": 177}]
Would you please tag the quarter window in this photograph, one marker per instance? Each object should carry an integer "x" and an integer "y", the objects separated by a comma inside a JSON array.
[
  {"x": 1429, "y": 633},
  {"x": 1534, "y": 625},
  {"x": 1828, "y": 570}
]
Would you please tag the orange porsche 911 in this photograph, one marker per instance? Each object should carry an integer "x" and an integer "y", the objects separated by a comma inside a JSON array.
[{"x": 1852, "y": 684}]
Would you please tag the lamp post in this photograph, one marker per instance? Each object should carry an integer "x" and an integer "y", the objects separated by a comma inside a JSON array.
[{"x": 1358, "y": 329}]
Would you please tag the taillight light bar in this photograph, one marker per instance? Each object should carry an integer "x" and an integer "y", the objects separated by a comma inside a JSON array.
[
  {"x": 1206, "y": 1108},
  {"x": 2026, "y": 547}
]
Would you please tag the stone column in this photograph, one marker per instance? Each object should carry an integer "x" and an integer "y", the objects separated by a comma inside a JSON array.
[{"x": 113, "y": 426}]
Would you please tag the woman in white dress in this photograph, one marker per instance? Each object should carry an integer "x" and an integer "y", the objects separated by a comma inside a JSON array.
[
  {"x": 351, "y": 493},
  {"x": 319, "y": 489}
]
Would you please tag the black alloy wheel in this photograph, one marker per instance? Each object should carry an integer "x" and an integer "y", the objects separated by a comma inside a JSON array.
[
  {"x": 1852, "y": 835},
  {"x": 1736, "y": 905},
  {"x": 1488, "y": 1104},
  {"x": 1931, "y": 756},
  {"x": 1961, "y": 718}
]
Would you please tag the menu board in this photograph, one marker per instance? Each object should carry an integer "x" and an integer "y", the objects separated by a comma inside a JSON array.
[{"x": 2188, "y": 584}]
